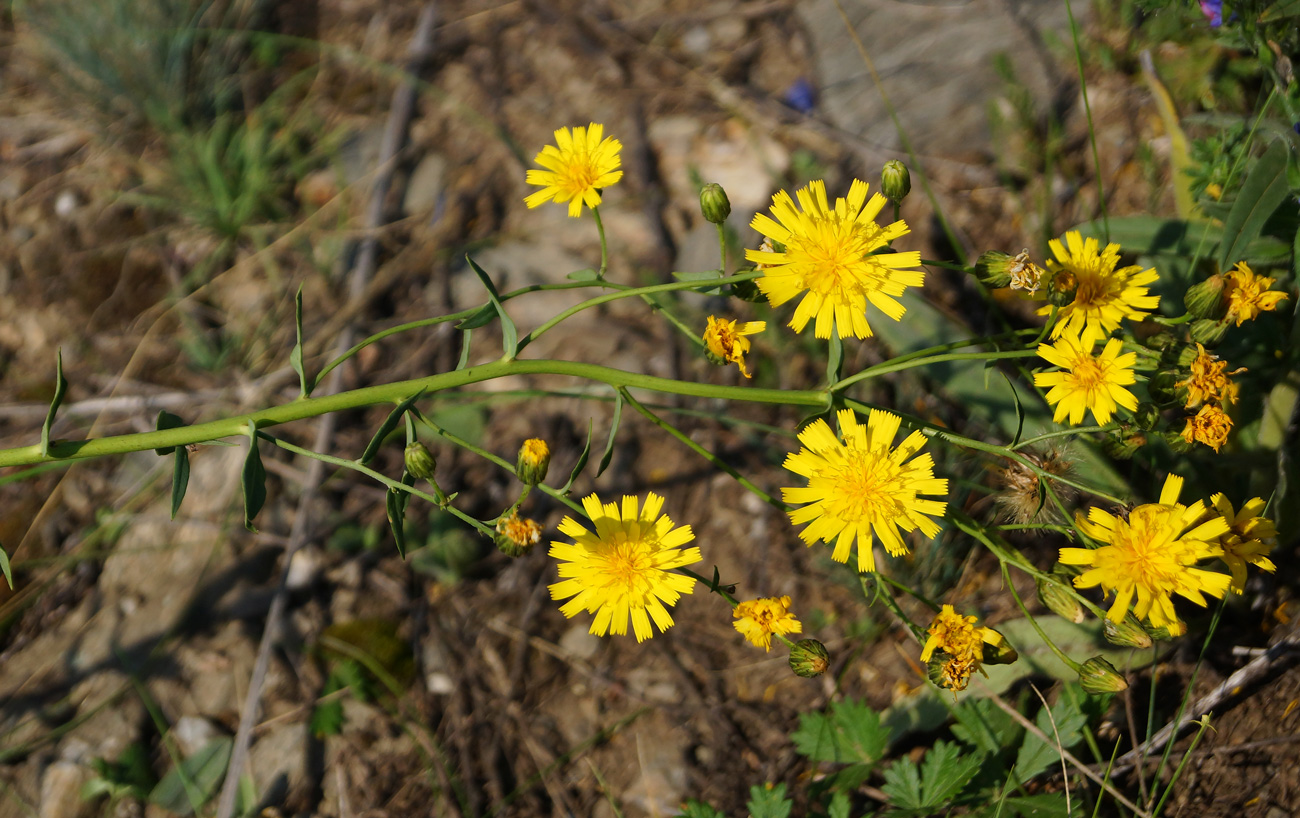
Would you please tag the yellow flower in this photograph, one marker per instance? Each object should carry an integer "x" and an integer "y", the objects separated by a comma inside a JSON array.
[
  {"x": 1248, "y": 294},
  {"x": 1209, "y": 426},
  {"x": 758, "y": 619},
  {"x": 861, "y": 486},
  {"x": 962, "y": 644},
  {"x": 625, "y": 568},
  {"x": 1207, "y": 382},
  {"x": 534, "y": 461},
  {"x": 516, "y": 536},
  {"x": 1103, "y": 295},
  {"x": 1250, "y": 538},
  {"x": 829, "y": 254},
  {"x": 727, "y": 343},
  {"x": 1151, "y": 555},
  {"x": 577, "y": 170},
  {"x": 1087, "y": 382}
]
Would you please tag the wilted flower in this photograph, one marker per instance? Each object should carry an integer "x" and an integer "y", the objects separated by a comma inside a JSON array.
[{"x": 1210, "y": 426}]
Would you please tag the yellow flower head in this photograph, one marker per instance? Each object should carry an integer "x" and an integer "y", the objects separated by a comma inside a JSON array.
[
  {"x": 1209, "y": 426},
  {"x": 1103, "y": 295},
  {"x": 829, "y": 254},
  {"x": 727, "y": 342},
  {"x": 962, "y": 644},
  {"x": 1248, "y": 294},
  {"x": 625, "y": 568},
  {"x": 516, "y": 536},
  {"x": 1087, "y": 382},
  {"x": 1250, "y": 538},
  {"x": 1207, "y": 381},
  {"x": 863, "y": 486},
  {"x": 534, "y": 461},
  {"x": 577, "y": 170},
  {"x": 1151, "y": 555},
  {"x": 758, "y": 619}
]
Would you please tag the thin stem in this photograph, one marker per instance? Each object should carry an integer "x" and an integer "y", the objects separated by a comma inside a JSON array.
[
  {"x": 1006, "y": 577},
  {"x": 918, "y": 632},
  {"x": 722, "y": 250},
  {"x": 1081, "y": 430},
  {"x": 1092, "y": 131},
  {"x": 604, "y": 245},
  {"x": 898, "y": 365}
]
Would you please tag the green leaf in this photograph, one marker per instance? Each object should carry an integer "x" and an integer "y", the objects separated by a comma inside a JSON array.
[
  {"x": 850, "y": 733},
  {"x": 1044, "y": 805},
  {"x": 60, "y": 388},
  {"x": 253, "y": 480},
  {"x": 613, "y": 432},
  {"x": 479, "y": 318},
  {"x": 1035, "y": 756},
  {"x": 386, "y": 428},
  {"x": 697, "y": 809},
  {"x": 1264, "y": 189},
  {"x": 464, "y": 351},
  {"x": 1280, "y": 11},
  {"x": 839, "y": 805},
  {"x": 945, "y": 771},
  {"x": 582, "y": 461},
  {"x": 585, "y": 274},
  {"x": 903, "y": 784},
  {"x": 509, "y": 335},
  {"x": 180, "y": 478},
  {"x": 189, "y": 786},
  {"x": 395, "y": 501},
  {"x": 985, "y": 726},
  {"x": 834, "y": 359},
  {"x": 769, "y": 802},
  {"x": 295, "y": 357},
  {"x": 4, "y": 567},
  {"x": 166, "y": 420}
]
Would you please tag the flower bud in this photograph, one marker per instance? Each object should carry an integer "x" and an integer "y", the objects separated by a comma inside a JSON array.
[
  {"x": 808, "y": 658},
  {"x": 534, "y": 460},
  {"x": 993, "y": 269},
  {"x": 516, "y": 537},
  {"x": 1208, "y": 333},
  {"x": 714, "y": 203},
  {"x": 1099, "y": 676},
  {"x": 1163, "y": 387},
  {"x": 1127, "y": 634},
  {"x": 1000, "y": 652},
  {"x": 1147, "y": 416},
  {"x": 1062, "y": 289},
  {"x": 419, "y": 461},
  {"x": 1162, "y": 340},
  {"x": 1059, "y": 599},
  {"x": 895, "y": 181},
  {"x": 1207, "y": 299},
  {"x": 748, "y": 291}
]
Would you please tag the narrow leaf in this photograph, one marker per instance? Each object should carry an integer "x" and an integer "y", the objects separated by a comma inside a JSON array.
[
  {"x": 509, "y": 335},
  {"x": 396, "y": 502},
  {"x": 1020, "y": 409},
  {"x": 295, "y": 357},
  {"x": 180, "y": 478},
  {"x": 834, "y": 359},
  {"x": 166, "y": 420},
  {"x": 582, "y": 461},
  {"x": 253, "y": 480},
  {"x": 479, "y": 318},
  {"x": 613, "y": 431},
  {"x": 585, "y": 274},
  {"x": 60, "y": 388},
  {"x": 4, "y": 567},
  {"x": 189, "y": 785},
  {"x": 1264, "y": 189},
  {"x": 386, "y": 428},
  {"x": 464, "y": 351}
]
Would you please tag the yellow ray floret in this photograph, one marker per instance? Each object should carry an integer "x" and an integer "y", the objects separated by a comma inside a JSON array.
[
  {"x": 1249, "y": 540},
  {"x": 830, "y": 254},
  {"x": 1087, "y": 382},
  {"x": 624, "y": 569},
  {"x": 758, "y": 619},
  {"x": 861, "y": 488},
  {"x": 1103, "y": 295},
  {"x": 577, "y": 167}
]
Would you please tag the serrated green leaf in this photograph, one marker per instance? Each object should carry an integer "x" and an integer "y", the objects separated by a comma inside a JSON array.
[
  {"x": 4, "y": 567},
  {"x": 985, "y": 726},
  {"x": 945, "y": 771},
  {"x": 903, "y": 784},
  {"x": 60, "y": 389},
  {"x": 253, "y": 480},
  {"x": 166, "y": 420},
  {"x": 180, "y": 478},
  {"x": 1035, "y": 756},
  {"x": 395, "y": 502},
  {"x": 509, "y": 334},
  {"x": 295, "y": 357},
  {"x": 582, "y": 460},
  {"x": 769, "y": 802},
  {"x": 850, "y": 733},
  {"x": 479, "y": 318},
  {"x": 585, "y": 274},
  {"x": 189, "y": 786},
  {"x": 1264, "y": 189},
  {"x": 697, "y": 809},
  {"x": 839, "y": 805},
  {"x": 386, "y": 428},
  {"x": 608, "y": 454}
]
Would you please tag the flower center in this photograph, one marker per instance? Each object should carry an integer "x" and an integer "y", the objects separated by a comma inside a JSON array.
[
  {"x": 581, "y": 172},
  {"x": 627, "y": 566},
  {"x": 868, "y": 487},
  {"x": 1095, "y": 289},
  {"x": 1145, "y": 545},
  {"x": 1088, "y": 372}
]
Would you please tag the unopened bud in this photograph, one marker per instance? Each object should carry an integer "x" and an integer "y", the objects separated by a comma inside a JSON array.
[
  {"x": 993, "y": 269},
  {"x": 419, "y": 461},
  {"x": 1208, "y": 333},
  {"x": 808, "y": 658},
  {"x": 1063, "y": 287},
  {"x": 534, "y": 460},
  {"x": 1127, "y": 634},
  {"x": 1099, "y": 676},
  {"x": 516, "y": 537},
  {"x": 714, "y": 203},
  {"x": 1206, "y": 300},
  {"x": 1059, "y": 599},
  {"x": 895, "y": 181},
  {"x": 1147, "y": 416},
  {"x": 1163, "y": 387},
  {"x": 748, "y": 291}
]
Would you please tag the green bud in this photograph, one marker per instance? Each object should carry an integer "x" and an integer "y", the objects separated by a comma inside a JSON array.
[
  {"x": 1208, "y": 333},
  {"x": 1147, "y": 416},
  {"x": 808, "y": 658},
  {"x": 1128, "y": 633},
  {"x": 1059, "y": 599},
  {"x": 1099, "y": 676},
  {"x": 993, "y": 269},
  {"x": 1163, "y": 387},
  {"x": 419, "y": 461},
  {"x": 714, "y": 203},
  {"x": 748, "y": 291},
  {"x": 1062, "y": 289},
  {"x": 895, "y": 181},
  {"x": 1162, "y": 340},
  {"x": 1206, "y": 300},
  {"x": 1186, "y": 355},
  {"x": 534, "y": 460},
  {"x": 1160, "y": 634},
  {"x": 1000, "y": 654}
]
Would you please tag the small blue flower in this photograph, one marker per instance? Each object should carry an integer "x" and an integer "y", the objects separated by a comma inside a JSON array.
[
  {"x": 1213, "y": 10},
  {"x": 801, "y": 96}
]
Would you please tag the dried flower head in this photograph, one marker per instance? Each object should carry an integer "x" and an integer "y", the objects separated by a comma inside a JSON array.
[
  {"x": 960, "y": 644},
  {"x": 1025, "y": 274},
  {"x": 1207, "y": 381},
  {"x": 1248, "y": 294},
  {"x": 1019, "y": 494},
  {"x": 726, "y": 342},
  {"x": 1210, "y": 426}
]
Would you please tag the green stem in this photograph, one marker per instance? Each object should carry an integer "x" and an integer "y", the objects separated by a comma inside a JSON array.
[
  {"x": 604, "y": 245},
  {"x": 1060, "y": 433},
  {"x": 722, "y": 250},
  {"x": 918, "y": 632},
  {"x": 898, "y": 365},
  {"x": 1070, "y": 663}
]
